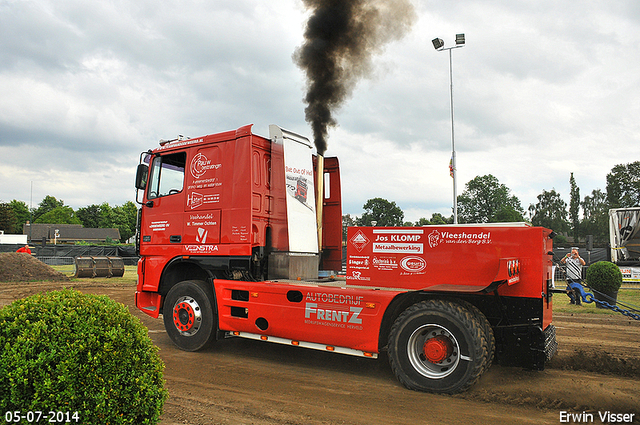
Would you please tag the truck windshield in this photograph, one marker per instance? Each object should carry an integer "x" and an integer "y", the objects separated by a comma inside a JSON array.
[{"x": 167, "y": 175}]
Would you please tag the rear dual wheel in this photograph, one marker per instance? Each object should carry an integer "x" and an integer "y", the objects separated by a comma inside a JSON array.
[
  {"x": 440, "y": 346},
  {"x": 188, "y": 314}
]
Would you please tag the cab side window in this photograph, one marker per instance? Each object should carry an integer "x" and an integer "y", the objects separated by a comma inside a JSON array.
[{"x": 167, "y": 175}]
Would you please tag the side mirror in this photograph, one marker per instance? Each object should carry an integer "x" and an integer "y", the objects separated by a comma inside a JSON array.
[{"x": 141, "y": 176}]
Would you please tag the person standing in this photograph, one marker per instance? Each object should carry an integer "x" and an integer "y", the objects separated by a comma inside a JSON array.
[
  {"x": 25, "y": 249},
  {"x": 574, "y": 265}
]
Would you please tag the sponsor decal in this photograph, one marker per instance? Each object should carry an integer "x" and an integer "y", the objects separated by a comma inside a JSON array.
[
  {"x": 385, "y": 263},
  {"x": 195, "y": 200},
  {"x": 391, "y": 247},
  {"x": 202, "y": 235},
  {"x": 333, "y": 310},
  {"x": 351, "y": 316},
  {"x": 297, "y": 187},
  {"x": 158, "y": 226},
  {"x": 202, "y": 220},
  {"x": 314, "y": 315},
  {"x": 298, "y": 171},
  {"x": 413, "y": 264},
  {"x": 200, "y": 164},
  {"x": 434, "y": 239},
  {"x": 177, "y": 144},
  {"x": 359, "y": 240},
  {"x": 358, "y": 262},
  {"x": 397, "y": 238},
  {"x": 324, "y": 297},
  {"x": 201, "y": 249},
  {"x": 356, "y": 275},
  {"x": 392, "y": 241},
  {"x": 460, "y": 237}
]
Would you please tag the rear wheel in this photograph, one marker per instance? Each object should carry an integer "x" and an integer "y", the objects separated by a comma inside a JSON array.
[
  {"x": 488, "y": 334},
  {"x": 188, "y": 314},
  {"x": 438, "y": 346}
]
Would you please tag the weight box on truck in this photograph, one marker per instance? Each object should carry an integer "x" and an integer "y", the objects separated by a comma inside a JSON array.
[{"x": 231, "y": 240}]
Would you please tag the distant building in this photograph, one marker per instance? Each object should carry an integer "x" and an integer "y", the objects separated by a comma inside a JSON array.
[
  {"x": 67, "y": 233},
  {"x": 12, "y": 239}
]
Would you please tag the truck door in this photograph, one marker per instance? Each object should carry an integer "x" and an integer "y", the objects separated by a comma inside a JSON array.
[
  {"x": 162, "y": 222},
  {"x": 204, "y": 200}
]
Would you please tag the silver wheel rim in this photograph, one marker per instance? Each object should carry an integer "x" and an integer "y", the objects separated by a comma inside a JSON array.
[
  {"x": 418, "y": 360},
  {"x": 187, "y": 316}
]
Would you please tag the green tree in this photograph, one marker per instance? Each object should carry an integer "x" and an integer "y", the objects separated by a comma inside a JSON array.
[
  {"x": 550, "y": 211},
  {"x": 383, "y": 212},
  {"x": 8, "y": 220},
  {"x": 507, "y": 214},
  {"x": 122, "y": 217},
  {"x": 125, "y": 217},
  {"x": 422, "y": 222},
  {"x": 107, "y": 216},
  {"x": 46, "y": 205},
  {"x": 595, "y": 219},
  {"x": 21, "y": 210},
  {"x": 623, "y": 186},
  {"x": 89, "y": 216},
  {"x": 59, "y": 215},
  {"x": 486, "y": 200},
  {"x": 436, "y": 220},
  {"x": 347, "y": 221},
  {"x": 574, "y": 209}
]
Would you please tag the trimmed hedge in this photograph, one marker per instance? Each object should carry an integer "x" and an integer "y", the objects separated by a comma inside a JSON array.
[
  {"x": 604, "y": 276},
  {"x": 70, "y": 352}
]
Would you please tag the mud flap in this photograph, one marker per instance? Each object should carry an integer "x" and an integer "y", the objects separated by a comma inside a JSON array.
[
  {"x": 550, "y": 342},
  {"x": 149, "y": 302},
  {"x": 525, "y": 346}
]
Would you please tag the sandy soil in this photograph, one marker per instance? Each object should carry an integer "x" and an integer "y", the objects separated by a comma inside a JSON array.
[{"x": 240, "y": 381}]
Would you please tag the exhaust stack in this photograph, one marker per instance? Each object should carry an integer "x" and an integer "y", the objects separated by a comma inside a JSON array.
[
  {"x": 294, "y": 251},
  {"x": 319, "y": 197}
]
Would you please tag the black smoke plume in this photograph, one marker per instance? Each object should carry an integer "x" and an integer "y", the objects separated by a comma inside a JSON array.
[{"x": 341, "y": 37}]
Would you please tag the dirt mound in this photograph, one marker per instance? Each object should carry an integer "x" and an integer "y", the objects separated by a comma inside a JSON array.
[{"x": 20, "y": 267}]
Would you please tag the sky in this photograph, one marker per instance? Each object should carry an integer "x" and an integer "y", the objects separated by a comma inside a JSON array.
[{"x": 541, "y": 89}]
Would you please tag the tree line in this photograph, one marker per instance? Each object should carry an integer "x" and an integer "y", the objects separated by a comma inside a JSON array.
[
  {"x": 486, "y": 200},
  {"x": 14, "y": 214}
]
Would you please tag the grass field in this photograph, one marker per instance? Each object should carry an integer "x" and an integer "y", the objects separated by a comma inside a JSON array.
[{"x": 629, "y": 297}]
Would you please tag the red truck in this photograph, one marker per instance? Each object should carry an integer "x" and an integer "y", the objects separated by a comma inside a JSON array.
[{"x": 241, "y": 236}]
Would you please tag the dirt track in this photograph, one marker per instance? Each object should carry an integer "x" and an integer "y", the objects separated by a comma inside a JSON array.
[{"x": 249, "y": 382}]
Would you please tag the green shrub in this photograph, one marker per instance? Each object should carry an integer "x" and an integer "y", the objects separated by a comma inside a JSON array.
[
  {"x": 604, "y": 276},
  {"x": 70, "y": 352}
]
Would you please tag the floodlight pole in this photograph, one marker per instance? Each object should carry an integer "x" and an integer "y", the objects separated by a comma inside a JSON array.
[{"x": 438, "y": 44}]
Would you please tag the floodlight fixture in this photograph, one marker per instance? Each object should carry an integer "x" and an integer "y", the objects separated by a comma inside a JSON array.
[
  {"x": 459, "y": 39},
  {"x": 438, "y": 43}
]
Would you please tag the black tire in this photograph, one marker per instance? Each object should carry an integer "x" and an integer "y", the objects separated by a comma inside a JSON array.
[
  {"x": 438, "y": 346},
  {"x": 488, "y": 334},
  {"x": 189, "y": 316}
]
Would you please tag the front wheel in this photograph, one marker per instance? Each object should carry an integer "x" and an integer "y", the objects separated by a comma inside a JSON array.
[
  {"x": 438, "y": 346},
  {"x": 188, "y": 314}
]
